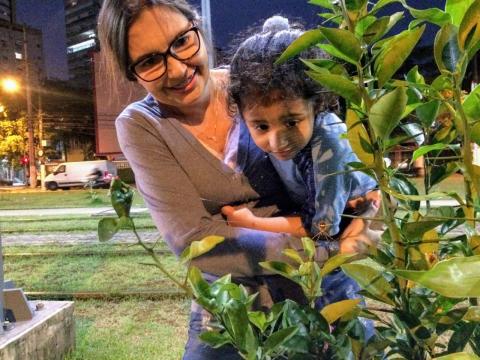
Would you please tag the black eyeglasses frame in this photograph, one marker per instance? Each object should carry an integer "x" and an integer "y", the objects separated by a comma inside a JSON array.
[{"x": 194, "y": 28}]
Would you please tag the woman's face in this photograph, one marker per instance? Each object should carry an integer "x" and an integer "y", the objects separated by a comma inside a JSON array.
[{"x": 184, "y": 82}]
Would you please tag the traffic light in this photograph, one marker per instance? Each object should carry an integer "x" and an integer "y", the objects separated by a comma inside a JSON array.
[{"x": 24, "y": 160}]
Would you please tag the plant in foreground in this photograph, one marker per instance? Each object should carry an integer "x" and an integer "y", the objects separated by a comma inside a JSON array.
[{"x": 288, "y": 330}]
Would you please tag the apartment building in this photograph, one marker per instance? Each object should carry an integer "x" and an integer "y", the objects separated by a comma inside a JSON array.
[
  {"x": 12, "y": 54},
  {"x": 81, "y": 30}
]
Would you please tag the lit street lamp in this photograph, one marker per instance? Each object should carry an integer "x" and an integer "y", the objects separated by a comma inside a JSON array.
[{"x": 10, "y": 85}]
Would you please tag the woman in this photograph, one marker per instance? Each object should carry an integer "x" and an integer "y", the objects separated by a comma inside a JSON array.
[{"x": 189, "y": 155}]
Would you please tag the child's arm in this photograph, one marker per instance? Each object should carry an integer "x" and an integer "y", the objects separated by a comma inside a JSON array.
[
  {"x": 358, "y": 235},
  {"x": 243, "y": 217}
]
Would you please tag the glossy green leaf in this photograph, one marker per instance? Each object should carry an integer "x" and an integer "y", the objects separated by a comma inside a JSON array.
[
  {"x": 415, "y": 77},
  {"x": 430, "y": 196},
  {"x": 327, "y": 4},
  {"x": 121, "y": 196},
  {"x": 432, "y": 15},
  {"x": 386, "y": 113},
  {"x": 306, "y": 40},
  {"x": 469, "y": 29},
  {"x": 457, "y": 9},
  {"x": 201, "y": 247},
  {"x": 278, "y": 338},
  {"x": 335, "y": 261},
  {"x": 458, "y": 356},
  {"x": 200, "y": 287},
  {"x": 422, "y": 150},
  {"x": 332, "y": 66},
  {"x": 345, "y": 42},
  {"x": 428, "y": 112},
  {"x": 214, "y": 338},
  {"x": 309, "y": 248},
  {"x": 354, "y": 5},
  {"x": 278, "y": 267},
  {"x": 394, "y": 53},
  {"x": 333, "y": 312},
  {"x": 363, "y": 24},
  {"x": 371, "y": 280},
  {"x": 456, "y": 277},
  {"x": 401, "y": 184},
  {"x": 334, "y": 53},
  {"x": 338, "y": 84},
  {"x": 415, "y": 230},
  {"x": 475, "y": 133},
  {"x": 294, "y": 255},
  {"x": 381, "y": 27},
  {"x": 442, "y": 172},
  {"x": 446, "y": 50},
  {"x": 380, "y": 4},
  {"x": 236, "y": 322},
  {"x": 332, "y": 18},
  {"x": 107, "y": 228},
  {"x": 259, "y": 319},
  {"x": 471, "y": 104},
  {"x": 442, "y": 82},
  {"x": 355, "y": 133}
]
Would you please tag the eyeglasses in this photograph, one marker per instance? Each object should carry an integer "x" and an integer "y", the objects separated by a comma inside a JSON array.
[{"x": 153, "y": 66}]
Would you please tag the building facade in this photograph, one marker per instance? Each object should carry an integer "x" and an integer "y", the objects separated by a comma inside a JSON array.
[
  {"x": 81, "y": 30},
  {"x": 7, "y": 10},
  {"x": 12, "y": 52}
]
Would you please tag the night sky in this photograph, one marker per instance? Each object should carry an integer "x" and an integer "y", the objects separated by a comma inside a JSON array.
[{"x": 48, "y": 16}]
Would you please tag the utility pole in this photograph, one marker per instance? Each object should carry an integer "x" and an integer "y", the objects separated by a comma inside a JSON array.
[
  {"x": 207, "y": 20},
  {"x": 31, "y": 144}
]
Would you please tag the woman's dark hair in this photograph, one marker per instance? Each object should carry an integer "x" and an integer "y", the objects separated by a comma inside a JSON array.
[
  {"x": 254, "y": 78},
  {"x": 114, "y": 20}
]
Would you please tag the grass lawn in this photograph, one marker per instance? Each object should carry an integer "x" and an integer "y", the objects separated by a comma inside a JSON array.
[
  {"x": 126, "y": 329},
  {"x": 70, "y": 223},
  {"x": 130, "y": 329},
  {"x": 59, "y": 199}
]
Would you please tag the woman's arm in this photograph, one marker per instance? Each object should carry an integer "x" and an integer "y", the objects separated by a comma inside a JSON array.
[{"x": 177, "y": 209}]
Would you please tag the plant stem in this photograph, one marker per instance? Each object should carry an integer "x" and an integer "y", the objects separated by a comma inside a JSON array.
[
  {"x": 470, "y": 178},
  {"x": 157, "y": 261}
]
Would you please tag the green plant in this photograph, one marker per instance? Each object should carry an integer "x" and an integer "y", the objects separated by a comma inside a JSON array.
[
  {"x": 288, "y": 330},
  {"x": 426, "y": 276}
]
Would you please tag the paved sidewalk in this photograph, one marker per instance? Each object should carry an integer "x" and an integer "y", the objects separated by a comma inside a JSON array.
[
  {"x": 65, "y": 211},
  {"x": 75, "y": 238}
]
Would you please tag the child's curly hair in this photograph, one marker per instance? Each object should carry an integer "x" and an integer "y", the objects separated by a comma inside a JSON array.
[{"x": 255, "y": 79}]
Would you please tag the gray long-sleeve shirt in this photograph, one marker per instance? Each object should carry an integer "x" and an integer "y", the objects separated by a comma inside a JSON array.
[{"x": 185, "y": 186}]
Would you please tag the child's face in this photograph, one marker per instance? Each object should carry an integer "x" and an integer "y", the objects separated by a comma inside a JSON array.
[{"x": 282, "y": 128}]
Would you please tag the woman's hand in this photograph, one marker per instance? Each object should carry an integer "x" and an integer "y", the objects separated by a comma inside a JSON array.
[
  {"x": 239, "y": 217},
  {"x": 358, "y": 236}
]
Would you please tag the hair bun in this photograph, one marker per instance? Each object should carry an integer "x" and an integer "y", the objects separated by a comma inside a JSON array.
[{"x": 276, "y": 23}]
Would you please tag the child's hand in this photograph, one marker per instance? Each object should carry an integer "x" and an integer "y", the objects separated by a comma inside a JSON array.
[
  {"x": 358, "y": 236},
  {"x": 239, "y": 217}
]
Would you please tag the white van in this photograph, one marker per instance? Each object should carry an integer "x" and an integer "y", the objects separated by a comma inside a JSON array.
[{"x": 79, "y": 173}]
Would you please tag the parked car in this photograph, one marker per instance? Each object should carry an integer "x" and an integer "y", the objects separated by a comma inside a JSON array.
[{"x": 98, "y": 173}]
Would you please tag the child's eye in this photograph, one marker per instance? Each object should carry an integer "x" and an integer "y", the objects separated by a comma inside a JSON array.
[
  {"x": 291, "y": 123},
  {"x": 261, "y": 127}
]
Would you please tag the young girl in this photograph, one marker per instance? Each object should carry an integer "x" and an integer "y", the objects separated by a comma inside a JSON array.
[{"x": 284, "y": 111}]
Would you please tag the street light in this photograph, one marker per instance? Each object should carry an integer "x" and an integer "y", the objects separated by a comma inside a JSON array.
[{"x": 10, "y": 85}]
